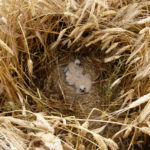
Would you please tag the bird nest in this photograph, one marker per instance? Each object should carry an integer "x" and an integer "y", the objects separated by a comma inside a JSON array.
[{"x": 64, "y": 97}]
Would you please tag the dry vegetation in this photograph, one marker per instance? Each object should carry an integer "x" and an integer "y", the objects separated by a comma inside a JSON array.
[{"x": 38, "y": 110}]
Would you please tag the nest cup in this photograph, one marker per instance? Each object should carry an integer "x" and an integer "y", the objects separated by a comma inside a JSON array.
[{"x": 67, "y": 100}]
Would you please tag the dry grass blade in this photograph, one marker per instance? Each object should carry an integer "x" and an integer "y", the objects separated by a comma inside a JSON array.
[
  {"x": 145, "y": 130},
  {"x": 13, "y": 138},
  {"x": 100, "y": 141},
  {"x": 129, "y": 96},
  {"x": 111, "y": 144},
  {"x": 116, "y": 82},
  {"x": 144, "y": 72},
  {"x": 123, "y": 49},
  {"x": 99, "y": 130},
  {"x": 132, "y": 11},
  {"x": 74, "y": 32},
  {"x": 50, "y": 141},
  {"x": 84, "y": 125},
  {"x": 19, "y": 122},
  {"x": 128, "y": 131},
  {"x": 143, "y": 31},
  {"x": 94, "y": 41},
  {"x": 40, "y": 38},
  {"x": 1, "y": 88},
  {"x": 73, "y": 4},
  {"x": 118, "y": 134},
  {"x": 77, "y": 38},
  {"x": 145, "y": 113},
  {"x": 43, "y": 123},
  {"x": 23, "y": 105},
  {"x": 135, "y": 60},
  {"x": 136, "y": 51},
  {"x": 114, "y": 30},
  {"x": 106, "y": 42},
  {"x": 87, "y": 4},
  {"x": 61, "y": 34},
  {"x": 81, "y": 147},
  {"x": 81, "y": 31},
  {"x": 6, "y": 47},
  {"x": 113, "y": 46},
  {"x": 134, "y": 104},
  {"x": 30, "y": 66},
  {"x": 108, "y": 12},
  {"x": 3, "y": 20},
  {"x": 24, "y": 34},
  {"x": 142, "y": 21},
  {"x": 109, "y": 59},
  {"x": 70, "y": 14},
  {"x": 10, "y": 139},
  {"x": 97, "y": 39}
]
